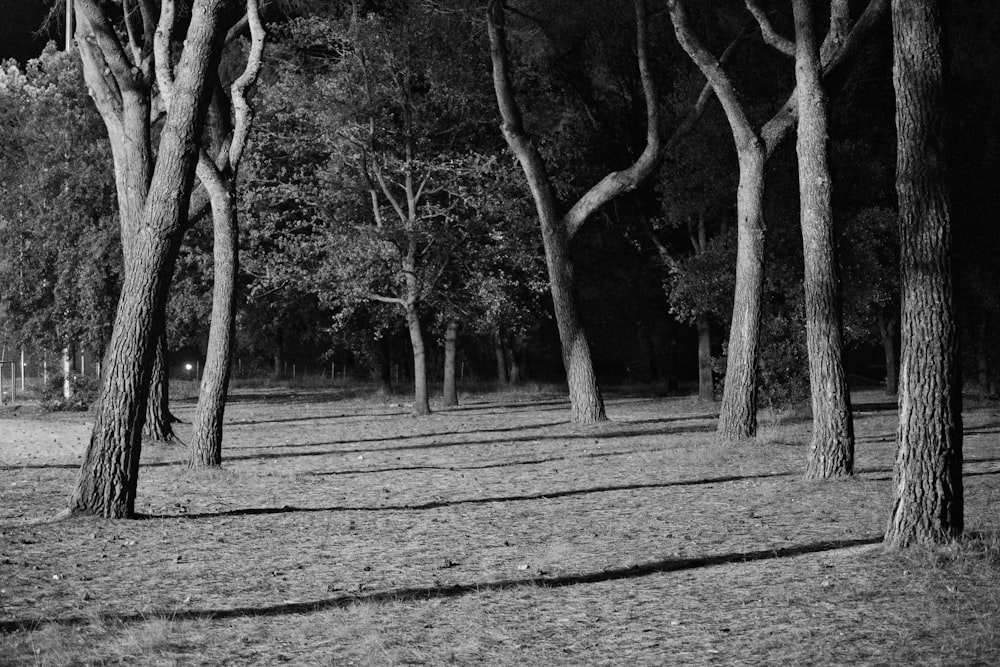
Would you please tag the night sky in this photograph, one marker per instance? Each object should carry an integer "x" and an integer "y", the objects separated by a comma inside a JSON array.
[{"x": 21, "y": 20}]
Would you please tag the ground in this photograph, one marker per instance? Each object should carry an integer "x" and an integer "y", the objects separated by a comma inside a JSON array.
[{"x": 342, "y": 530}]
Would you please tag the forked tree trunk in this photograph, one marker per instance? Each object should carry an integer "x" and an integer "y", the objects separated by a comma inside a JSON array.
[
  {"x": 831, "y": 450},
  {"x": 706, "y": 392},
  {"x": 450, "y": 343},
  {"x": 158, "y": 426},
  {"x": 927, "y": 482},
  {"x": 421, "y": 400},
  {"x": 887, "y": 330},
  {"x": 501, "y": 358},
  {"x": 206, "y": 442}
]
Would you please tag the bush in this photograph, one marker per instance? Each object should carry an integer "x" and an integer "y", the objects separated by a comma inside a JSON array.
[{"x": 84, "y": 390}]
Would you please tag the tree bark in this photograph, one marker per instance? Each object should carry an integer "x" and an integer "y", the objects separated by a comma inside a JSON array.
[
  {"x": 831, "y": 449},
  {"x": 927, "y": 482},
  {"x": 152, "y": 205},
  {"x": 706, "y": 390},
  {"x": 450, "y": 343},
  {"x": 206, "y": 442},
  {"x": 421, "y": 401},
  {"x": 67, "y": 364},
  {"x": 887, "y": 330},
  {"x": 158, "y": 426},
  {"x": 501, "y": 358}
]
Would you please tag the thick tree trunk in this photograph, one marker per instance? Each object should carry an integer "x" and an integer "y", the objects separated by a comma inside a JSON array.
[
  {"x": 450, "y": 343},
  {"x": 831, "y": 450},
  {"x": 706, "y": 392},
  {"x": 158, "y": 426},
  {"x": 927, "y": 483},
  {"x": 421, "y": 401},
  {"x": 152, "y": 204},
  {"x": 738, "y": 413},
  {"x": 887, "y": 330},
  {"x": 501, "y": 358},
  {"x": 206, "y": 442}
]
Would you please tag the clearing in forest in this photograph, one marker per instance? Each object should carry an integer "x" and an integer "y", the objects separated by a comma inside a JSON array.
[{"x": 345, "y": 531}]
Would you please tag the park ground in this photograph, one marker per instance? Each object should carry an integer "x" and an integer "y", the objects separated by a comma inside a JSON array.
[{"x": 341, "y": 530}]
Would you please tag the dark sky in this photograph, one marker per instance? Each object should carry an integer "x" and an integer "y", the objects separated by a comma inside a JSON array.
[{"x": 19, "y": 23}]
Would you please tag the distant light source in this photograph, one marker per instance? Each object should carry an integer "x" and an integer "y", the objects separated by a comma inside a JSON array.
[{"x": 188, "y": 366}]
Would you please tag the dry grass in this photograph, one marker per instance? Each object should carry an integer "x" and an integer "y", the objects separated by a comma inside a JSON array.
[{"x": 344, "y": 531}]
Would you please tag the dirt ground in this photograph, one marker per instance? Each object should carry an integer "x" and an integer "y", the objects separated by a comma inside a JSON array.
[{"x": 344, "y": 531}]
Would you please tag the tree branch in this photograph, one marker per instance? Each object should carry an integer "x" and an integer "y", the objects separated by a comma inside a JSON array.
[
  {"x": 767, "y": 31},
  {"x": 241, "y": 108}
]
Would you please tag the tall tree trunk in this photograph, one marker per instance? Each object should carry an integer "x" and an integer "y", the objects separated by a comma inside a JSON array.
[
  {"x": 421, "y": 401},
  {"x": 831, "y": 450},
  {"x": 278, "y": 357},
  {"x": 927, "y": 483},
  {"x": 67, "y": 364},
  {"x": 738, "y": 412},
  {"x": 450, "y": 343},
  {"x": 501, "y": 358},
  {"x": 158, "y": 426},
  {"x": 517, "y": 361},
  {"x": 206, "y": 443},
  {"x": 706, "y": 391},
  {"x": 887, "y": 330},
  {"x": 383, "y": 359}
]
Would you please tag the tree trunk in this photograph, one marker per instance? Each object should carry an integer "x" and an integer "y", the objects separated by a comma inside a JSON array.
[
  {"x": 738, "y": 413},
  {"x": 983, "y": 358},
  {"x": 927, "y": 483},
  {"x": 831, "y": 450},
  {"x": 383, "y": 359},
  {"x": 498, "y": 352},
  {"x": 706, "y": 390},
  {"x": 158, "y": 426},
  {"x": 450, "y": 340},
  {"x": 517, "y": 362},
  {"x": 279, "y": 355},
  {"x": 206, "y": 443},
  {"x": 887, "y": 329},
  {"x": 67, "y": 364},
  {"x": 152, "y": 204},
  {"x": 421, "y": 402}
]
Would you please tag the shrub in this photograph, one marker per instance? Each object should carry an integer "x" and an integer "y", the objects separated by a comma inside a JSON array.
[{"x": 84, "y": 393}]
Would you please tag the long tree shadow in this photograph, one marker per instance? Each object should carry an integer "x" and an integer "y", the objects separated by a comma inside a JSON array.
[
  {"x": 423, "y": 593},
  {"x": 438, "y": 504}
]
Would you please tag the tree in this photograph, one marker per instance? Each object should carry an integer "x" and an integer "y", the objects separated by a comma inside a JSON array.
[
  {"x": 831, "y": 449},
  {"x": 927, "y": 482},
  {"x": 738, "y": 413},
  {"x": 558, "y": 229},
  {"x": 153, "y": 196}
]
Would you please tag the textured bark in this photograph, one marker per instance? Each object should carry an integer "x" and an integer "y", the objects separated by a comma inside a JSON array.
[
  {"x": 206, "y": 441},
  {"x": 501, "y": 358},
  {"x": 831, "y": 450},
  {"x": 887, "y": 330},
  {"x": 152, "y": 204},
  {"x": 421, "y": 400},
  {"x": 927, "y": 482},
  {"x": 706, "y": 391},
  {"x": 450, "y": 343},
  {"x": 158, "y": 426}
]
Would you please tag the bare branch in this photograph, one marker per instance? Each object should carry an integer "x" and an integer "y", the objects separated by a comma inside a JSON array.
[
  {"x": 241, "y": 108},
  {"x": 386, "y": 299},
  {"x": 161, "y": 49},
  {"x": 767, "y": 31}
]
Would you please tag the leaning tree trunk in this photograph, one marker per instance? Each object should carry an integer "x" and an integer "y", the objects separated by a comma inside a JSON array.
[
  {"x": 206, "y": 442},
  {"x": 706, "y": 392},
  {"x": 158, "y": 426},
  {"x": 927, "y": 483},
  {"x": 421, "y": 401},
  {"x": 831, "y": 450},
  {"x": 887, "y": 330},
  {"x": 450, "y": 343},
  {"x": 738, "y": 412}
]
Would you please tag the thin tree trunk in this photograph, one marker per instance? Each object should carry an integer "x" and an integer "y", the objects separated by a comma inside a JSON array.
[
  {"x": 206, "y": 442},
  {"x": 421, "y": 401},
  {"x": 887, "y": 330},
  {"x": 450, "y": 343},
  {"x": 831, "y": 450},
  {"x": 383, "y": 358},
  {"x": 706, "y": 391},
  {"x": 501, "y": 358},
  {"x": 278, "y": 356},
  {"x": 158, "y": 426},
  {"x": 927, "y": 484},
  {"x": 67, "y": 364}
]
